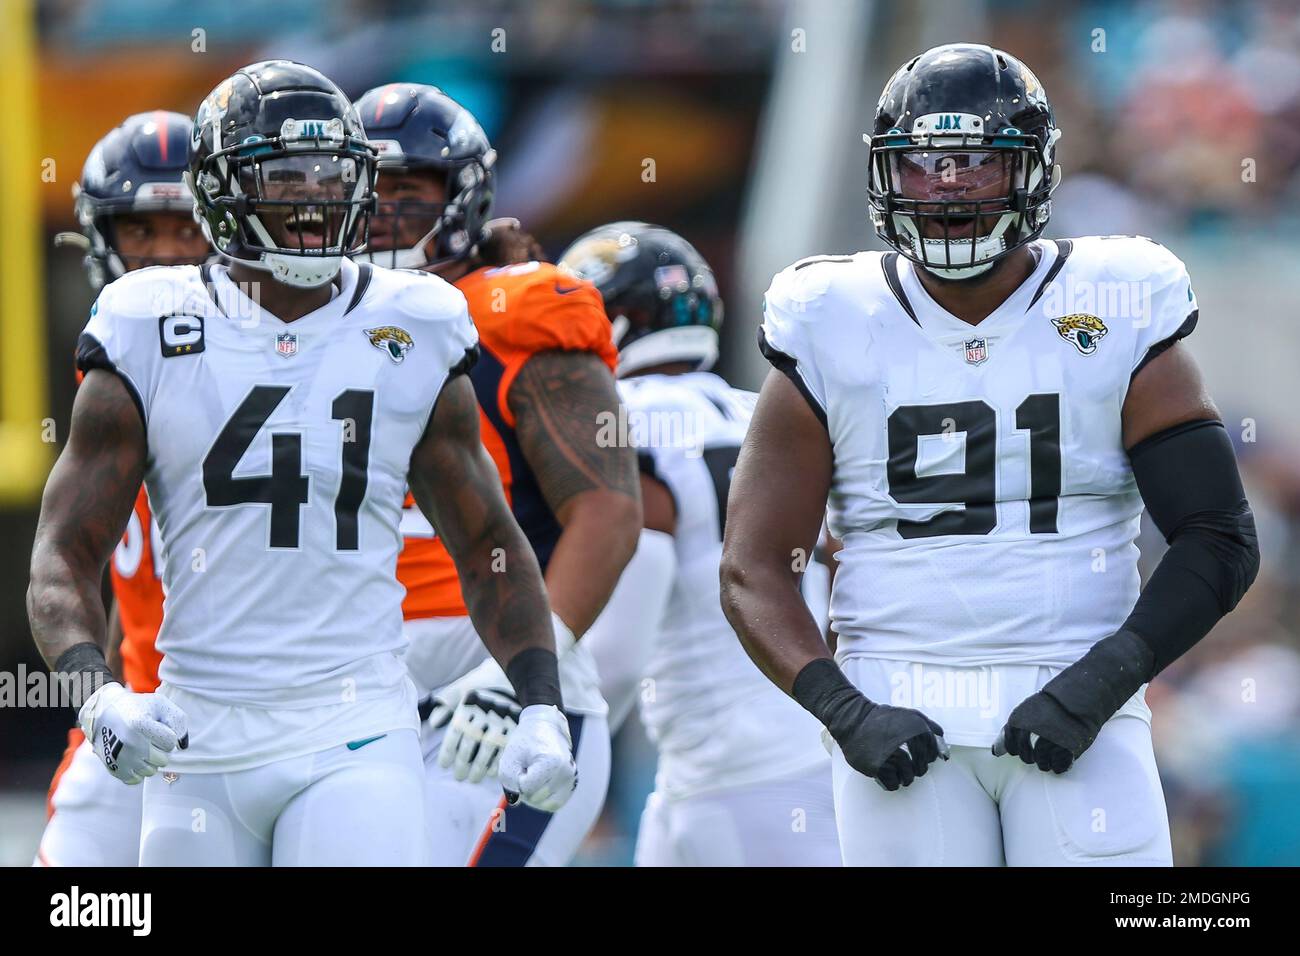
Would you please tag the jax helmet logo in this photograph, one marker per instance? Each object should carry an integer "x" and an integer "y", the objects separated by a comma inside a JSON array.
[
  {"x": 1081, "y": 330},
  {"x": 389, "y": 338}
]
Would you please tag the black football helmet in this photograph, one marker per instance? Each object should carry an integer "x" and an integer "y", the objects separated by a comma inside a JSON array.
[
  {"x": 417, "y": 128},
  {"x": 137, "y": 167},
  {"x": 962, "y": 159},
  {"x": 659, "y": 293},
  {"x": 282, "y": 173}
]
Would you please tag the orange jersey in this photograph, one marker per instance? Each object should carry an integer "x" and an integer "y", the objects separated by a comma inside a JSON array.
[
  {"x": 137, "y": 588},
  {"x": 136, "y": 570},
  {"x": 519, "y": 310}
]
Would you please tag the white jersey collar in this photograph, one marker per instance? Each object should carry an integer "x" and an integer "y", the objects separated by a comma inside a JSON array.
[{"x": 936, "y": 320}]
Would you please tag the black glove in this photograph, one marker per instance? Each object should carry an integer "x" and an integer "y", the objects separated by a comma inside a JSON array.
[
  {"x": 1068, "y": 713},
  {"x": 870, "y": 735}
]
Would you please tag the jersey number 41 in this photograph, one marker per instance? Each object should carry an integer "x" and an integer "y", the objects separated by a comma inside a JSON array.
[{"x": 285, "y": 488}]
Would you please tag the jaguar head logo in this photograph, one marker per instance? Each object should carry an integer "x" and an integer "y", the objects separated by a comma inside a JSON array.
[
  {"x": 389, "y": 338},
  {"x": 1081, "y": 330}
]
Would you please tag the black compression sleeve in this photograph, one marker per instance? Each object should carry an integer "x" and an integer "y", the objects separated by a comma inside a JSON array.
[
  {"x": 534, "y": 673},
  {"x": 823, "y": 690},
  {"x": 82, "y": 670},
  {"x": 1189, "y": 481}
]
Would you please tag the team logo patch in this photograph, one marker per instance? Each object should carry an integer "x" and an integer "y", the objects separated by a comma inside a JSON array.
[
  {"x": 1033, "y": 89},
  {"x": 389, "y": 338},
  {"x": 1081, "y": 330},
  {"x": 286, "y": 344},
  {"x": 977, "y": 352}
]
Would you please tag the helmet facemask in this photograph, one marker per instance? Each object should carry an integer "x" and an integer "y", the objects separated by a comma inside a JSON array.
[
  {"x": 955, "y": 204},
  {"x": 294, "y": 204},
  {"x": 416, "y": 234}
]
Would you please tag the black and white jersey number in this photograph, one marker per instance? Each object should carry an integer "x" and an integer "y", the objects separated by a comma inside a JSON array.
[
  {"x": 975, "y": 486},
  {"x": 721, "y": 462},
  {"x": 285, "y": 489}
]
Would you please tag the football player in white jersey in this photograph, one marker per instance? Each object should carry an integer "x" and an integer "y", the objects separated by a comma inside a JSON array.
[
  {"x": 544, "y": 383},
  {"x": 276, "y": 436},
  {"x": 134, "y": 212},
  {"x": 743, "y": 779},
  {"x": 987, "y": 413}
]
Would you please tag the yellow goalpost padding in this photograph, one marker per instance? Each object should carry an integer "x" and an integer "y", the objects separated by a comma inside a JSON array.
[{"x": 25, "y": 452}]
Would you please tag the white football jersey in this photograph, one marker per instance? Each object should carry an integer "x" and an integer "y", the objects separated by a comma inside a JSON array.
[
  {"x": 715, "y": 718},
  {"x": 980, "y": 484},
  {"x": 278, "y": 458}
]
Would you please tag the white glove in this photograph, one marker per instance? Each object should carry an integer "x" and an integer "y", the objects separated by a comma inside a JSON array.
[
  {"x": 479, "y": 712},
  {"x": 537, "y": 765},
  {"x": 132, "y": 733}
]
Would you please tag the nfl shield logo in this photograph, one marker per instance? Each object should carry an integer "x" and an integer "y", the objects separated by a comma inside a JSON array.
[
  {"x": 976, "y": 351},
  {"x": 286, "y": 344}
]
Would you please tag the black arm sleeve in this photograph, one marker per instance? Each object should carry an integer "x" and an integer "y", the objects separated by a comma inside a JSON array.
[{"x": 1188, "y": 478}]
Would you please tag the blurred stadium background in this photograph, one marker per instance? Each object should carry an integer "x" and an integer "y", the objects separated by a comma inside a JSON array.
[{"x": 738, "y": 123}]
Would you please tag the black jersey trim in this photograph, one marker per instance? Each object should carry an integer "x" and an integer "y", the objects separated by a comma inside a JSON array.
[
  {"x": 889, "y": 263},
  {"x": 789, "y": 366},
  {"x": 205, "y": 274},
  {"x": 91, "y": 355},
  {"x": 1063, "y": 249},
  {"x": 1184, "y": 330},
  {"x": 363, "y": 283},
  {"x": 467, "y": 362},
  {"x": 813, "y": 262},
  {"x": 645, "y": 463}
]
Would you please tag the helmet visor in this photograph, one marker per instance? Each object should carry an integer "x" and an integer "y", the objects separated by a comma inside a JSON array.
[
  {"x": 307, "y": 201},
  {"x": 956, "y": 194}
]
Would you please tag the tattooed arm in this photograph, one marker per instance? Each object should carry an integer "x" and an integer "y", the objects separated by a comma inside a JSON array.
[
  {"x": 457, "y": 487},
  {"x": 87, "y": 503},
  {"x": 558, "y": 399}
]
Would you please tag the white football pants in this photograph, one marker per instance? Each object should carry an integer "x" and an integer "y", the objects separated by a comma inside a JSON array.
[
  {"x": 94, "y": 817},
  {"x": 470, "y": 824},
  {"x": 786, "y": 822},
  {"x": 357, "y": 804},
  {"x": 975, "y": 809}
]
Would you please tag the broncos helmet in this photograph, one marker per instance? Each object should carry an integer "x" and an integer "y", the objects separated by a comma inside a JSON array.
[
  {"x": 282, "y": 173},
  {"x": 136, "y": 168},
  {"x": 659, "y": 293},
  {"x": 962, "y": 159},
  {"x": 417, "y": 128}
]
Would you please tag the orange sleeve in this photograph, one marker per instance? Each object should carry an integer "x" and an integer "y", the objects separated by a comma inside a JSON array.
[
  {"x": 139, "y": 596},
  {"x": 551, "y": 312}
]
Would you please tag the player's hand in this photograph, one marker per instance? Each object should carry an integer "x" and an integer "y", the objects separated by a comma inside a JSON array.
[
  {"x": 478, "y": 712},
  {"x": 477, "y": 733},
  {"x": 1052, "y": 728},
  {"x": 505, "y": 243},
  {"x": 893, "y": 745},
  {"x": 1041, "y": 731},
  {"x": 537, "y": 765},
  {"x": 132, "y": 733}
]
